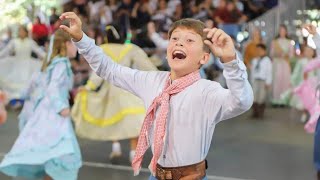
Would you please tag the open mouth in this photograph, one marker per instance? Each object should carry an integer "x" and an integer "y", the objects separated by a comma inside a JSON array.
[{"x": 178, "y": 55}]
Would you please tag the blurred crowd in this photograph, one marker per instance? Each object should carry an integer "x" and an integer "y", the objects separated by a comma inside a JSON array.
[{"x": 145, "y": 23}]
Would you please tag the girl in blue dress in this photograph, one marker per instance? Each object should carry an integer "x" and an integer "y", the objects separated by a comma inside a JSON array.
[{"x": 46, "y": 146}]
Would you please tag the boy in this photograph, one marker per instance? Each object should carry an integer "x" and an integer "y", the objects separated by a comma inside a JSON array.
[
  {"x": 182, "y": 108},
  {"x": 261, "y": 68}
]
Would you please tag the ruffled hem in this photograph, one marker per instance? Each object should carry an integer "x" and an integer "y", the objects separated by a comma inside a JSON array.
[{"x": 60, "y": 161}]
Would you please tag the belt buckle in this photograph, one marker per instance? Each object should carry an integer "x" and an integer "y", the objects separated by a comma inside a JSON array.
[
  {"x": 168, "y": 175},
  {"x": 161, "y": 173},
  {"x": 164, "y": 175}
]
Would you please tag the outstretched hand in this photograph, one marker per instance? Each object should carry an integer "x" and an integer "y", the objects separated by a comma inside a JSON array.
[
  {"x": 75, "y": 25},
  {"x": 310, "y": 28},
  {"x": 220, "y": 44}
]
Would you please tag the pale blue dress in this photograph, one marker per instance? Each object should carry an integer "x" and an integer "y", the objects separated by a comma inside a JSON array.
[{"x": 46, "y": 143}]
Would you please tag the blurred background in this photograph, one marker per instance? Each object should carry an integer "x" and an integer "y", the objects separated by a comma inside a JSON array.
[{"x": 274, "y": 146}]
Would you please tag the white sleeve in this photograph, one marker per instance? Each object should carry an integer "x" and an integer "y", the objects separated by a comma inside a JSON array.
[
  {"x": 235, "y": 100},
  {"x": 141, "y": 83}
]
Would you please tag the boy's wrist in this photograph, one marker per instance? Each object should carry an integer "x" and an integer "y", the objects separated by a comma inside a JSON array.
[
  {"x": 226, "y": 59},
  {"x": 78, "y": 37}
]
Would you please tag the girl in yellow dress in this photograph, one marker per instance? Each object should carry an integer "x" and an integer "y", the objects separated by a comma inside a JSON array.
[{"x": 105, "y": 112}]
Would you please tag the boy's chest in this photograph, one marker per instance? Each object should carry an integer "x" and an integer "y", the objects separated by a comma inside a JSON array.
[{"x": 184, "y": 107}]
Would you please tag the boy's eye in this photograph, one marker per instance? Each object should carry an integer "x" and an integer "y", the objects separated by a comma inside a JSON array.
[
  {"x": 174, "y": 38},
  {"x": 190, "y": 40}
]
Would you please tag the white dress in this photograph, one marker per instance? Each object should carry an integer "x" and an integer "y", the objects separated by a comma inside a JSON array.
[{"x": 16, "y": 71}]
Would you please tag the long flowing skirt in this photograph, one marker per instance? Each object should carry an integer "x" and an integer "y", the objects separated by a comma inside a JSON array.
[
  {"x": 46, "y": 145},
  {"x": 281, "y": 79},
  {"x": 15, "y": 74}
]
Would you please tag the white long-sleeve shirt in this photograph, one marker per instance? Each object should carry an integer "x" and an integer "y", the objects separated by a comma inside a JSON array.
[
  {"x": 262, "y": 69},
  {"x": 194, "y": 112}
]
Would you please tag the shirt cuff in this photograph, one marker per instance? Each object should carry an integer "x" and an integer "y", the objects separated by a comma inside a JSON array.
[
  {"x": 84, "y": 43},
  {"x": 235, "y": 64}
]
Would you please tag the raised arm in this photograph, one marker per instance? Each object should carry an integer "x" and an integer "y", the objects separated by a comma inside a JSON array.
[
  {"x": 161, "y": 43},
  {"x": 137, "y": 82},
  {"x": 227, "y": 103}
]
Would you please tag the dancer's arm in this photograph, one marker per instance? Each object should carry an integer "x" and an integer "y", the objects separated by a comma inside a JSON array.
[{"x": 137, "y": 82}]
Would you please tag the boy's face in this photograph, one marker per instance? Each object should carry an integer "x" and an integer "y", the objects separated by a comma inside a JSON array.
[
  {"x": 185, "y": 52},
  {"x": 261, "y": 52}
]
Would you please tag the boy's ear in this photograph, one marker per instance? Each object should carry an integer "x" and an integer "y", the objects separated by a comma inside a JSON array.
[{"x": 205, "y": 58}]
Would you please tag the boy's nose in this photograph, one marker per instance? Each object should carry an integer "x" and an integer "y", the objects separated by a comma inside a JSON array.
[{"x": 178, "y": 43}]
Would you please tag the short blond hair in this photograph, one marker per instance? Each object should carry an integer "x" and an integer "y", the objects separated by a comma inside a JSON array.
[{"x": 196, "y": 25}]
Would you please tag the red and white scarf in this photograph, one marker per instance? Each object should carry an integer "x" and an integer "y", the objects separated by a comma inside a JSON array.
[{"x": 160, "y": 122}]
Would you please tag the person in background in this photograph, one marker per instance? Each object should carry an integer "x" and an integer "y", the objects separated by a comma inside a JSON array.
[
  {"x": 17, "y": 55},
  {"x": 315, "y": 124},
  {"x": 281, "y": 51},
  {"x": 46, "y": 147},
  {"x": 104, "y": 112},
  {"x": 40, "y": 32},
  {"x": 251, "y": 47},
  {"x": 261, "y": 75}
]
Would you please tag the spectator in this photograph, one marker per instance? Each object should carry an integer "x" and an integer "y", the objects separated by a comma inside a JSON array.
[
  {"x": 229, "y": 17},
  {"x": 281, "y": 52},
  {"x": 250, "y": 51},
  {"x": 141, "y": 14},
  {"x": 40, "y": 32}
]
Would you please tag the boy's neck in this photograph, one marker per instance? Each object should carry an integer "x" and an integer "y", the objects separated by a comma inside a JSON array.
[{"x": 176, "y": 75}]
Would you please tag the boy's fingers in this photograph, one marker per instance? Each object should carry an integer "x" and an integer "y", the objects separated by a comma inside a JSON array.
[
  {"x": 216, "y": 35},
  {"x": 71, "y": 16},
  {"x": 211, "y": 32},
  {"x": 63, "y": 15},
  {"x": 222, "y": 38},
  {"x": 65, "y": 28},
  {"x": 207, "y": 42}
]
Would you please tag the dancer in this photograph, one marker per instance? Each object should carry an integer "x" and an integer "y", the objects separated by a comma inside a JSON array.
[
  {"x": 105, "y": 112},
  {"x": 181, "y": 129},
  {"x": 46, "y": 147},
  {"x": 13, "y": 82},
  {"x": 315, "y": 124}
]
